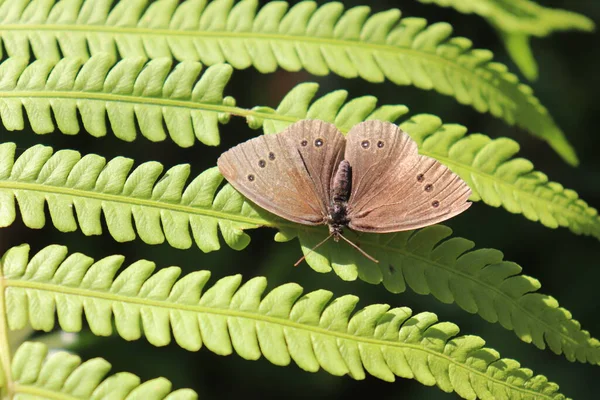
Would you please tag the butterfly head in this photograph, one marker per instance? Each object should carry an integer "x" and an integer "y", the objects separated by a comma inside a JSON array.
[{"x": 336, "y": 230}]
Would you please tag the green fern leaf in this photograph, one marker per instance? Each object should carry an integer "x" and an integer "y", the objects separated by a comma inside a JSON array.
[
  {"x": 282, "y": 325},
  {"x": 133, "y": 94},
  {"x": 517, "y": 20},
  {"x": 35, "y": 375},
  {"x": 487, "y": 165},
  {"x": 478, "y": 281},
  {"x": 127, "y": 92},
  {"x": 319, "y": 39},
  {"x": 133, "y": 203},
  {"x": 89, "y": 186}
]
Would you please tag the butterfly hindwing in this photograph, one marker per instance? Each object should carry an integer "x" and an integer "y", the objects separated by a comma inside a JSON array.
[
  {"x": 288, "y": 174},
  {"x": 393, "y": 187}
]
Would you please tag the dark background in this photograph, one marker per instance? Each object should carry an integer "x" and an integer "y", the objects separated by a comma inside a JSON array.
[{"x": 566, "y": 264}]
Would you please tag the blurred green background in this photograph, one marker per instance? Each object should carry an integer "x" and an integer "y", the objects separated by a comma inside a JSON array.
[{"x": 567, "y": 265}]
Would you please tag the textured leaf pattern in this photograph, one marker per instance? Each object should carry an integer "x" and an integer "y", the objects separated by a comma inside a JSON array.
[
  {"x": 132, "y": 203},
  {"x": 319, "y": 39},
  {"x": 479, "y": 281},
  {"x": 517, "y": 20},
  {"x": 63, "y": 375},
  {"x": 131, "y": 92},
  {"x": 156, "y": 209},
  {"x": 488, "y": 165},
  {"x": 134, "y": 94},
  {"x": 282, "y": 325}
]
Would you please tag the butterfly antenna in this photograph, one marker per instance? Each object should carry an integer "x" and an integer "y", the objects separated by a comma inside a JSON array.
[
  {"x": 359, "y": 249},
  {"x": 313, "y": 249}
]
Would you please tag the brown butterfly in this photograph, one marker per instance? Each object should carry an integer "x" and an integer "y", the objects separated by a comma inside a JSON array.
[{"x": 372, "y": 180}]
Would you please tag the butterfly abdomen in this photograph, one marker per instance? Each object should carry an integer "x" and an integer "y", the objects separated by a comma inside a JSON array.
[
  {"x": 340, "y": 194},
  {"x": 342, "y": 183}
]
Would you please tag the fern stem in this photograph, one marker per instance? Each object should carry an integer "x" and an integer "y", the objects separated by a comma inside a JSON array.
[
  {"x": 5, "y": 358},
  {"x": 45, "y": 189},
  {"x": 115, "y": 98},
  {"x": 44, "y": 393},
  {"x": 244, "y": 112},
  {"x": 163, "y": 102}
]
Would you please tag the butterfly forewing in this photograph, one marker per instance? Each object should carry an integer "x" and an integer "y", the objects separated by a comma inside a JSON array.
[
  {"x": 290, "y": 173},
  {"x": 393, "y": 187}
]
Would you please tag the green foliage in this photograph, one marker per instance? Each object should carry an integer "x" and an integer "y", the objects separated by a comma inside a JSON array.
[
  {"x": 478, "y": 281},
  {"x": 107, "y": 66},
  {"x": 131, "y": 93},
  {"x": 88, "y": 186},
  {"x": 62, "y": 375},
  {"x": 281, "y": 325},
  {"x": 517, "y": 20},
  {"x": 319, "y": 39},
  {"x": 127, "y": 92},
  {"x": 78, "y": 190}
]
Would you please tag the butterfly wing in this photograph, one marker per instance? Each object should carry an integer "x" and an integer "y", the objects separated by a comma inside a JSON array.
[
  {"x": 290, "y": 173},
  {"x": 393, "y": 187}
]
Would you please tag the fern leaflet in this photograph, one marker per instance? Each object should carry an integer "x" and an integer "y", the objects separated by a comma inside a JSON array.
[
  {"x": 282, "y": 325},
  {"x": 319, "y": 39},
  {"x": 126, "y": 92},
  {"x": 139, "y": 203},
  {"x": 63, "y": 376}
]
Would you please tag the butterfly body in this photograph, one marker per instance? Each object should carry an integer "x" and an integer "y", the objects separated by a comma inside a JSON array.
[
  {"x": 371, "y": 180},
  {"x": 338, "y": 209}
]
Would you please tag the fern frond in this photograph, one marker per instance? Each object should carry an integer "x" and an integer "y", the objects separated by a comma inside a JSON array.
[
  {"x": 479, "y": 281},
  {"x": 128, "y": 92},
  {"x": 523, "y": 16},
  {"x": 281, "y": 325},
  {"x": 85, "y": 187},
  {"x": 62, "y": 375},
  {"x": 319, "y": 39},
  {"x": 517, "y": 20},
  {"x": 487, "y": 165},
  {"x": 134, "y": 93},
  {"x": 88, "y": 186}
]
